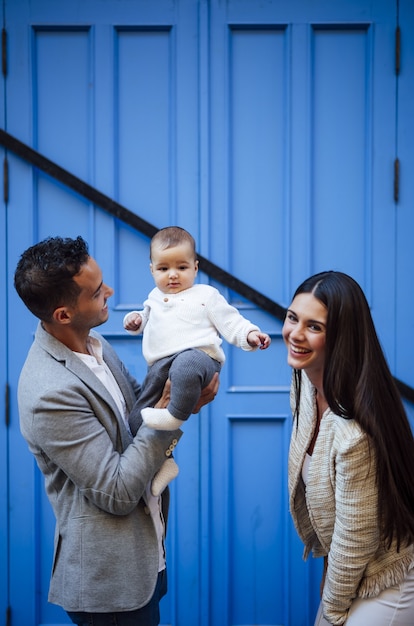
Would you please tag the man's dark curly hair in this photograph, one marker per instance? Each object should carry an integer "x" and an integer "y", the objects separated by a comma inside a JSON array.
[{"x": 45, "y": 271}]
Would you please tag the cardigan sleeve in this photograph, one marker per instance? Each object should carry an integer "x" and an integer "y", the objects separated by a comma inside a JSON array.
[{"x": 355, "y": 537}]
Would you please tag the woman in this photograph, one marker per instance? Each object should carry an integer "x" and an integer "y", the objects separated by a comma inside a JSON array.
[{"x": 351, "y": 459}]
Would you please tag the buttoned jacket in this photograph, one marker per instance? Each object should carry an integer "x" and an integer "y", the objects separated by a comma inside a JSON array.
[
  {"x": 336, "y": 514},
  {"x": 96, "y": 474}
]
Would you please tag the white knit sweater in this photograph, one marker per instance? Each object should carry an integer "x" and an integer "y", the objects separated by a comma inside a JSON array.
[
  {"x": 336, "y": 514},
  {"x": 193, "y": 318}
]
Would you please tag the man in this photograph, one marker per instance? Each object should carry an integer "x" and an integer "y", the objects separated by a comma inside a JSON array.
[{"x": 74, "y": 399}]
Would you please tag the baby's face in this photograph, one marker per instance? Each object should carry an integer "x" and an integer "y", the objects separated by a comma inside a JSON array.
[{"x": 173, "y": 269}]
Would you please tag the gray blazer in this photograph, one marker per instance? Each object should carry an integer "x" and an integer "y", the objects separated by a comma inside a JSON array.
[{"x": 96, "y": 473}]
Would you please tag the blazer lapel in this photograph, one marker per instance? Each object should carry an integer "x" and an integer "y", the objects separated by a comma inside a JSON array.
[{"x": 73, "y": 363}]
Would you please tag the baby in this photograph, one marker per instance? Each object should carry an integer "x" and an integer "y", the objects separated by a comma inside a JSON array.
[{"x": 182, "y": 324}]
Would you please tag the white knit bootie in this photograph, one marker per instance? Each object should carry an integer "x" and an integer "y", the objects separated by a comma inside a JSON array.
[
  {"x": 160, "y": 419},
  {"x": 168, "y": 471}
]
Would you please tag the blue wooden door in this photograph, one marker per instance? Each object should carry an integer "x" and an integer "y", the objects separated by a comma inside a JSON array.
[
  {"x": 4, "y": 378},
  {"x": 269, "y": 131},
  {"x": 402, "y": 363},
  {"x": 302, "y": 145}
]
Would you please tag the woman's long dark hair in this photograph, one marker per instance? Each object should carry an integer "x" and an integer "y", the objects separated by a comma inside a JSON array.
[{"x": 358, "y": 384}]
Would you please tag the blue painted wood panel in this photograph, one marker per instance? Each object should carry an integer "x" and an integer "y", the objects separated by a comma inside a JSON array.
[
  {"x": 340, "y": 210},
  {"x": 402, "y": 312},
  {"x": 269, "y": 131},
  {"x": 4, "y": 378}
]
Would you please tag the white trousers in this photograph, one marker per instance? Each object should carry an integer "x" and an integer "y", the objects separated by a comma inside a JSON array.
[{"x": 392, "y": 607}]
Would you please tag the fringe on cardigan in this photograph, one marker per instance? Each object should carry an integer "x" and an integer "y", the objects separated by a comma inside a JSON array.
[{"x": 392, "y": 575}]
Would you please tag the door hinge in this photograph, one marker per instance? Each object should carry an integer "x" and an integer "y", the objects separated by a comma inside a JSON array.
[
  {"x": 397, "y": 50},
  {"x": 5, "y": 180},
  {"x": 396, "y": 180},
  {"x": 4, "y": 52},
  {"x": 7, "y": 405}
]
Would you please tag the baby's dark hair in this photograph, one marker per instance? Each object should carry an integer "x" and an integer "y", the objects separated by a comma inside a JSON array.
[
  {"x": 172, "y": 236},
  {"x": 44, "y": 274}
]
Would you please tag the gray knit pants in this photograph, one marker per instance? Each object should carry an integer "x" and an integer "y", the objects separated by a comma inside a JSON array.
[{"x": 189, "y": 371}]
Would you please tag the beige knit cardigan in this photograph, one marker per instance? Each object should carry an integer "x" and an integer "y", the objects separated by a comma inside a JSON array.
[{"x": 337, "y": 513}]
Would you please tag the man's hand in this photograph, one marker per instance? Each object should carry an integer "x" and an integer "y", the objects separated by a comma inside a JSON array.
[
  {"x": 208, "y": 393},
  {"x": 165, "y": 398}
]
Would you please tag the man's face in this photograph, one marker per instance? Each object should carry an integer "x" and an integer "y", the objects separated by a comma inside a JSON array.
[{"x": 91, "y": 308}]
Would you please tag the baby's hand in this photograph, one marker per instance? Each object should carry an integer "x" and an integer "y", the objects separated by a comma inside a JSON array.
[
  {"x": 133, "y": 321},
  {"x": 256, "y": 338}
]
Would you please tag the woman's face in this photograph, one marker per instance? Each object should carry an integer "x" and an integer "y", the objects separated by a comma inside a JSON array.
[{"x": 304, "y": 333}]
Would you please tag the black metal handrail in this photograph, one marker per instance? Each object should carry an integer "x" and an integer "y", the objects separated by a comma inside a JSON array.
[{"x": 132, "y": 219}]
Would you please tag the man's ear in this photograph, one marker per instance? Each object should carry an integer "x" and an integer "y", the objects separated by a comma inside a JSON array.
[{"x": 62, "y": 315}]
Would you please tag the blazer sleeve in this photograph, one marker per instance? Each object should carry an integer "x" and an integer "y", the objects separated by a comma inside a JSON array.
[{"x": 76, "y": 436}]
